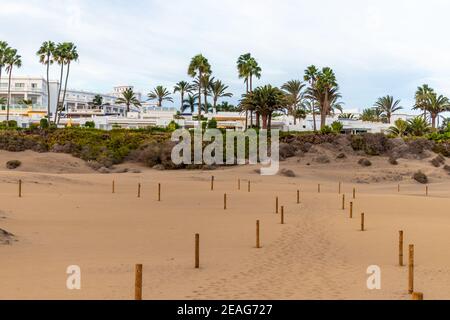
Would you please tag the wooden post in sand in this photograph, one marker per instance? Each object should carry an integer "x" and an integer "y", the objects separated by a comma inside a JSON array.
[
  {"x": 351, "y": 210},
  {"x": 426, "y": 191},
  {"x": 398, "y": 187},
  {"x": 20, "y": 188},
  {"x": 212, "y": 183},
  {"x": 417, "y": 296},
  {"x": 411, "y": 269},
  {"x": 298, "y": 196},
  {"x": 354, "y": 193},
  {"x": 343, "y": 202},
  {"x": 248, "y": 186},
  {"x": 224, "y": 201},
  {"x": 138, "y": 282},
  {"x": 276, "y": 205},
  {"x": 239, "y": 184},
  {"x": 139, "y": 190},
  {"x": 362, "y": 221},
  {"x": 282, "y": 214},
  {"x": 159, "y": 191},
  {"x": 318, "y": 188},
  {"x": 400, "y": 248},
  {"x": 197, "y": 251},
  {"x": 339, "y": 187},
  {"x": 257, "y": 235}
]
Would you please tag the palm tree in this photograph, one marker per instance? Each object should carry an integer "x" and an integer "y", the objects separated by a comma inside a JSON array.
[
  {"x": 97, "y": 101},
  {"x": 421, "y": 96},
  {"x": 182, "y": 87},
  {"x": 265, "y": 101},
  {"x": 206, "y": 83},
  {"x": 225, "y": 106},
  {"x": 311, "y": 73},
  {"x": 388, "y": 106},
  {"x": 45, "y": 54},
  {"x": 418, "y": 126},
  {"x": 190, "y": 103},
  {"x": 399, "y": 129},
  {"x": 69, "y": 54},
  {"x": 3, "y": 49},
  {"x": 58, "y": 55},
  {"x": 12, "y": 59},
  {"x": 199, "y": 66},
  {"x": 435, "y": 105},
  {"x": 247, "y": 68},
  {"x": 218, "y": 90},
  {"x": 128, "y": 98},
  {"x": 2, "y": 101},
  {"x": 326, "y": 94},
  {"x": 293, "y": 89},
  {"x": 160, "y": 94}
]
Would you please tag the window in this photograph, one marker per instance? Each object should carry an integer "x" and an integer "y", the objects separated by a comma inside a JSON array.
[
  {"x": 34, "y": 85},
  {"x": 20, "y": 85}
]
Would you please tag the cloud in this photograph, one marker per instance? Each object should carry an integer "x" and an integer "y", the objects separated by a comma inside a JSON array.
[{"x": 376, "y": 47}]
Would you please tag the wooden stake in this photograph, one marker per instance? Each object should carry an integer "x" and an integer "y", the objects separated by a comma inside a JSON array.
[
  {"x": 398, "y": 188},
  {"x": 248, "y": 185},
  {"x": 318, "y": 188},
  {"x": 159, "y": 191},
  {"x": 20, "y": 188},
  {"x": 351, "y": 210},
  {"x": 239, "y": 184},
  {"x": 400, "y": 248},
  {"x": 417, "y": 296},
  {"x": 362, "y": 221},
  {"x": 276, "y": 204},
  {"x": 197, "y": 251},
  {"x": 138, "y": 283},
  {"x": 411, "y": 269},
  {"x": 339, "y": 187},
  {"x": 343, "y": 202},
  {"x": 298, "y": 196},
  {"x": 282, "y": 214},
  {"x": 257, "y": 235},
  {"x": 113, "y": 187},
  {"x": 139, "y": 190},
  {"x": 426, "y": 191},
  {"x": 225, "y": 201},
  {"x": 212, "y": 183},
  {"x": 354, "y": 193}
]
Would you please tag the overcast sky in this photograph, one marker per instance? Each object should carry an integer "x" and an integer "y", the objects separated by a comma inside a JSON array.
[{"x": 375, "y": 47}]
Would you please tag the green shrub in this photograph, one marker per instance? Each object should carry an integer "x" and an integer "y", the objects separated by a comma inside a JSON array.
[
  {"x": 337, "y": 127},
  {"x": 212, "y": 124},
  {"x": 172, "y": 126},
  {"x": 43, "y": 124},
  {"x": 326, "y": 130},
  {"x": 13, "y": 164},
  {"x": 90, "y": 124}
]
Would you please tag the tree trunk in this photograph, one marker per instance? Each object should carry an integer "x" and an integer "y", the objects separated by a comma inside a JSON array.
[
  {"x": 214, "y": 105},
  {"x": 258, "y": 124},
  {"x": 264, "y": 121},
  {"x": 58, "y": 98},
  {"x": 8, "y": 99},
  {"x": 48, "y": 88},
  {"x": 246, "y": 111},
  {"x": 199, "y": 98},
  {"x": 205, "y": 95},
  {"x": 269, "y": 125},
  {"x": 64, "y": 94},
  {"x": 182, "y": 100},
  {"x": 324, "y": 111},
  {"x": 314, "y": 116},
  {"x": 433, "y": 120}
]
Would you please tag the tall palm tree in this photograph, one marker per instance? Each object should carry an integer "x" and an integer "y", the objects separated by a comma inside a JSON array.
[
  {"x": 294, "y": 92},
  {"x": 160, "y": 94},
  {"x": 128, "y": 98},
  {"x": 97, "y": 101},
  {"x": 218, "y": 90},
  {"x": 70, "y": 54},
  {"x": 247, "y": 69},
  {"x": 59, "y": 57},
  {"x": 190, "y": 103},
  {"x": 206, "y": 82},
  {"x": 3, "y": 49},
  {"x": 388, "y": 106},
  {"x": 310, "y": 76},
  {"x": 435, "y": 105},
  {"x": 199, "y": 66},
  {"x": 45, "y": 54},
  {"x": 421, "y": 96},
  {"x": 12, "y": 59},
  {"x": 182, "y": 87}
]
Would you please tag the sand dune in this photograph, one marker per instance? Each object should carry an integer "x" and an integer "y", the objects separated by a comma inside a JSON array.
[{"x": 74, "y": 219}]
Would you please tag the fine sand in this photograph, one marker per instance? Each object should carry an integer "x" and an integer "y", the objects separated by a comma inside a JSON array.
[{"x": 69, "y": 216}]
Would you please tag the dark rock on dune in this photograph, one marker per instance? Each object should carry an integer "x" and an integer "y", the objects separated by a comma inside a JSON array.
[
  {"x": 6, "y": 237},
  {"x": 341, "y": 156},
  {"x": 287, "y": 150},
  {"x": 287, "y": 173},
  {"x": 447, "y": 168},
  {"x": 13, "y": 164},
  {"x": 420, "y": 177},
  {"x": 365, "y": 162},
  {"x": 322, "y": 159},
  {"x": 393, "y": 161}
]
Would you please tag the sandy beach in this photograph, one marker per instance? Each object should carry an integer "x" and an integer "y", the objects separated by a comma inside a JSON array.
[{"x": 68, "y": 215}]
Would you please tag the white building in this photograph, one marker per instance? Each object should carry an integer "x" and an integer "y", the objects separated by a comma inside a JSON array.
[
  {"x": 119, "y": 90},
  {"x": 25, "y": 88}
]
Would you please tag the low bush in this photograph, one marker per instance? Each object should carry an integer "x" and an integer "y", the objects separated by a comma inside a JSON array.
[
  {"x": 420, "y": 177},
  {"x": 365, "y": 162},
  {"x": 13, "y": 164}
]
